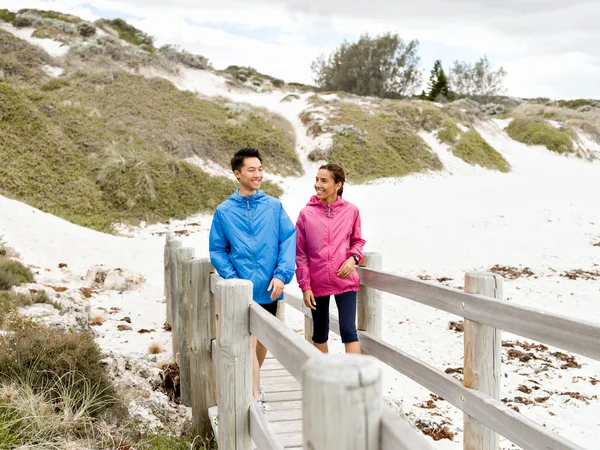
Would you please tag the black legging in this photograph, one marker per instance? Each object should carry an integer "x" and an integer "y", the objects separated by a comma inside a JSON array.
[{"x": 346, "y": 304}]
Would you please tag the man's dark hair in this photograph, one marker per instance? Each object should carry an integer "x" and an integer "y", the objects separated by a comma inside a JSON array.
[{"x": 237, "y": 162}]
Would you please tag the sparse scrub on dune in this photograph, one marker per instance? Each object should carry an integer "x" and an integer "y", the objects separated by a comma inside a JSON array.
[
  {"x": 114, "y": 49},
  {"x": 472, "y": 148},
  {"x": 376, "y": 139},
  {"x": 127, "y": 32},
  {"x": 155, "y": 348},
  {"x": 178, "y": 55},
  {"x": 58, "y": 142},
  {"x": 13, "y": 273},
  {"x": 11, "y": 301},
  {"x": 536, "y": 131},
  {"x": 7, "y": 16},
  {"x": 20, "y": 60}
]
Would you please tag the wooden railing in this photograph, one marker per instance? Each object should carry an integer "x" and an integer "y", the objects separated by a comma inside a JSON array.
[{"x": 214, "y": 319}]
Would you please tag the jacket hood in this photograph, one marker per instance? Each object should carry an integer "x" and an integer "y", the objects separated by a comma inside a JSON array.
[
  {"x": 314, "y": 201},
  {"x": 247, "y": 198}
]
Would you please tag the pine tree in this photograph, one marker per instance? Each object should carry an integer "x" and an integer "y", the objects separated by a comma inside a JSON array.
[{"x": 438, "y": 83}]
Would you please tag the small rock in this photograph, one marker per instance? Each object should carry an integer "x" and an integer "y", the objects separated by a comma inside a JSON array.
[{"x": 124, "y": 328}]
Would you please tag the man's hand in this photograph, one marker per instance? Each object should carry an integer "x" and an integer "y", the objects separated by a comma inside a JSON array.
[
  {"x": 309, "y": 299},
  {"x": 347, "y": 268},
  {"x": 277, "y": 287}
]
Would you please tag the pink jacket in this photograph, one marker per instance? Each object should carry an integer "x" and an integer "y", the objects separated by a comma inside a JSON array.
[{"x": 326, "y": 237}]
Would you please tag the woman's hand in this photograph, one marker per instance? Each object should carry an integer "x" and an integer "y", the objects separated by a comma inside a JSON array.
[
  {"x": 309, "y": 299},
  {"x": 347, "y": 268}
]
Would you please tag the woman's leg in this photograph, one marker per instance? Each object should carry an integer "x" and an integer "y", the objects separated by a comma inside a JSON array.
[
  {"x": 346, "y": 304},
  {"x": 321, "y": 324}
]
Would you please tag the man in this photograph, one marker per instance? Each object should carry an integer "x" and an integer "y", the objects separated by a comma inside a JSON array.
[{"x": 253, "y": 238}]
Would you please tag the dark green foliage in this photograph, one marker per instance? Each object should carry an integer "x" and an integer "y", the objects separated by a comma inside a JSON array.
[
  {"x": 13, "y": 273},
  {"x": 536, "y": 131},
  {"x": 377, "y": 66},
  {"x": 438, "y": 83}
]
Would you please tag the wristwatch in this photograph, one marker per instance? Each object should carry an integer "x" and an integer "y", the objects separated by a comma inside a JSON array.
[{"x": 355, "y": 258}]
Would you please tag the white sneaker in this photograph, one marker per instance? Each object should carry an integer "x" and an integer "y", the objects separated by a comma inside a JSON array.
[{"x": 261, "y": 394}]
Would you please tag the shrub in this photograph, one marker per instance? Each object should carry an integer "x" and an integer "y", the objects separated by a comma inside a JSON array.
[
  {"x": 11, "y": 301},
  {"x": 181, "y": 56},
  {"x": 7, "y": 16},
  {"x": 534, "y": 131},
  {"x": 52, "y": 15},
  {"x": 13, "y": 273},
  {"x": 129, "y": 33},
  {"x": 47, "y": 357},
  {"x": 21, "y": 60},
  {"x": 86, "y": 29},
  {"x": 55, "y": 84},
  {"x": 473, "y": 149}
]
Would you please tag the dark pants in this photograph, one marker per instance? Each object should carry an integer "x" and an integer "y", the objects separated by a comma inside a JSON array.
[
  {"x": 346, "y": 304},
  {"x": 271, "y": 307}
]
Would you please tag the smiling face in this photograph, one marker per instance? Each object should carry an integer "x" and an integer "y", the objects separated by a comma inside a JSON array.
[
  {"x": 250, "y": 176},
  {"x": 326, "y": 187}
]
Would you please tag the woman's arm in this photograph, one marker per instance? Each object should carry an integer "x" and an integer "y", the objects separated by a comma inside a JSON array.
[{"x": 302, "y": 269}]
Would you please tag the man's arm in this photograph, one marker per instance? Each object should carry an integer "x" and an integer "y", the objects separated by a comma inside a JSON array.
[
  {"x": 286, "y": 258},
  {"x": 219, "y": 248}
]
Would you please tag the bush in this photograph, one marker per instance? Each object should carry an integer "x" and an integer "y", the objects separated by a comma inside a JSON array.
[
  {"x": 13, "y": 273},
  {"x": 178, "y": 55},
  {"x": 21, "y": 60},
  {"x": 473, "y": 149},
  {"x": 129, "y": 33},
  {"x": 43, "y": 357},
  {"x": 86, "y": 29},
  {"x": 534, "y": 131},
  {"x": 7, "y": 16},
  {"x": 55, "y": 84},
  {"x": 11, "y": 301}
]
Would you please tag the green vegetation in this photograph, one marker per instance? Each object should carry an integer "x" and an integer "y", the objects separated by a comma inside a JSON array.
[
  {"x": 21, "y": 61},
  {"x": 61, "y": 160},
  {"x": 50, "y": 32},
  {"x": 536, "y": 131},
  {"x": 7, "y": 15},
  {"x": 129, "y": 33},
  {"x": 377, "y": 145},
  {"x": 13, "y": 273},
  {"x": 472, "y": 148},
  {"x": 53, "y": 15},
  {"x": 383, "y": 140},
  {"x": 11, "y": 301}
]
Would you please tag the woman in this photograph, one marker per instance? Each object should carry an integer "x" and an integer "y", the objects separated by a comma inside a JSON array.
[{"x": 328, "y": 248}]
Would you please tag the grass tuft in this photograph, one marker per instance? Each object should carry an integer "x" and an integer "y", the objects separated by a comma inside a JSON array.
[
  {"x": 13, "y": 273},
  {"x": 473, "y": 149}
]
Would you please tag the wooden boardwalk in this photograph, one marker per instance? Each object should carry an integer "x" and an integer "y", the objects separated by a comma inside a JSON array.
[{"x": 283, "y": 402}]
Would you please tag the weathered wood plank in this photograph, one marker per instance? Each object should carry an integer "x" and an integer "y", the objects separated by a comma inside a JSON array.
[
  {"x": 510, "y": 424},
  {"x": 265, "y": 381},
  {"x": 290, "y": 426},
  {"x": 234, "y": 363},
  {"x": 260, "y": 430},
  {"x": 342, "y": 393},
  {"x": 578, "y": 336},
  {"x": 482, "y": 360},
  {"x": 282, "y": 387},
  {"x": 181, "y": 256},
  {"x": 284, "y": 415},
  {"x": 171, "y": 244},
  {"x": 202, "y": 370},
  {"x": 272, "y": 373},
  {"x": 286, "y": 396},
  {"x": 368, "y": 307},
  {"x": 290, "y": 439},
  {"x": 184, "y": 257},
  {"x": 290, "y": 349},
  {"x": 398, "y": 434},
  {"x": 292, "y": 404}
]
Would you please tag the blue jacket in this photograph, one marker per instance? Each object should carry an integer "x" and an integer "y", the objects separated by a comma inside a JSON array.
[{"x": 253, "y": 238}]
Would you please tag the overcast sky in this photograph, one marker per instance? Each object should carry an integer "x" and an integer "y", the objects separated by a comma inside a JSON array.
[{"x": 549, "y": 47}]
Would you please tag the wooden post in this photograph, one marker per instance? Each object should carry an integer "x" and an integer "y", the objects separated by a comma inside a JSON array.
[
  {"x": 308, "y": 328},
  {"x": 341, "y": 405},
  {"x": 368, "y": 308},
  {"x": 281, "y": 305},
  {"x": 202, "y": 371},
  {"x": 234, "y": 363},
  {"x": 183, "y": 325},
  {"x": 171, "y": 245},
  {"x": 180, "y": 257},
  {"x": 482, "y": 360}
]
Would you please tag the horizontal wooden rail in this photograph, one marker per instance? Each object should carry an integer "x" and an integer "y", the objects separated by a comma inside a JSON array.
[
  {"x": 398, "y": 434},
  {"x": 291, "y": 350},
  {"x": 510, "y": 424},
  {"x": 570, "y": 334},
  {"x": 261, "y": 431}
]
